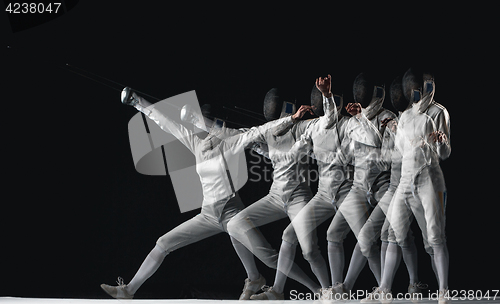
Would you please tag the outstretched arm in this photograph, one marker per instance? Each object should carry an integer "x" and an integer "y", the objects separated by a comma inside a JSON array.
[
  {"x": 185, "y": 136},
  {"x": 240, "y": 141}
]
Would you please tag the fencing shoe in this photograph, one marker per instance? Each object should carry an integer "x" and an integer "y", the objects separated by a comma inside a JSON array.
[
  {"x": 443, "y": 297},
  {"x": 251, "y": 287},
  {"x": 117, "y": 292},
  {"x": 415, "y": 290},
  {"x": 268, "y": 294},
  {"x": 378, "y": 295},
  {"x": 339, "y": 292},
  {"x": 325, "y": 294}
]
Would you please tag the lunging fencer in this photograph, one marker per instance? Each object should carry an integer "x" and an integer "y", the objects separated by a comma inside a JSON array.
[{"x": 220, "y": 201}]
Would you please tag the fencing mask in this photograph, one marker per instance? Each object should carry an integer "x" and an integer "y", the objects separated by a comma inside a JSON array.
[
  {"x": 275, "y": 107},
  {"x": 363, "y": 89},
  {"x": 398, "y": 100}
]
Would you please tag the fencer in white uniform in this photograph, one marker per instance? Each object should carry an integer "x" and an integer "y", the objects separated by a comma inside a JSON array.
[
  {"x": 423, "y": 139},
  {"x": 289, "y": 192},
  {"x": 220, "y": 203},
  {"x": 322, "y": 141},
  {"x": 361, "y": 146},
  {"x": 377, "y": 226}
]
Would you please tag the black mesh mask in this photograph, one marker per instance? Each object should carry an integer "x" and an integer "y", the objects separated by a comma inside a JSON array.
[
  {"x": 272, "y": 104},
  {"x": 398, "y": 100},
  {"x": 363, "y": 89}
]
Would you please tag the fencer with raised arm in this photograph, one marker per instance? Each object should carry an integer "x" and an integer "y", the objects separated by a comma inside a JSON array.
[
  {"x": 220, "y": 200},
  {"x": 322, "y": 141},
  {"x": 362, "y": 142},
  {"x": 289, "y": 191}
]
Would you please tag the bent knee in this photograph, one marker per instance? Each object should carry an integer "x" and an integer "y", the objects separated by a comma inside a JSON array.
[
  {"x": 237, "y": 224},
  {"x": 311, "y": 254},
  {"x": 404, "y": 242},
  {"x": 163, "y": 244},
  {"x": 289, "y": 235},
  {"x": 231, "y": 225},
  {"x": 436, "y": 242},
  {"x": 368, "y": 249},
  {"x": 336, "y": 236}
]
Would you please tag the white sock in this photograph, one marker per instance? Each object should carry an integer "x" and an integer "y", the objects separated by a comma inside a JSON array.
[
  {"x": 392, "y": 260},
  {"x": 357, "y": 263},
  {"x": 374, "y": 264},
  {"x": 410, "y": 256},
  {"x": 318, "y": 267},
  {"x": 336, "y": 258},
  {"x": 148, "y": 267},
  {"x": 247, "y": 259},
  {"x": 383, "y": 250},
  {"x": 433, "y": 264},
  {"x": 441, "y": 258},
  {"x": 285, "y": 263}
]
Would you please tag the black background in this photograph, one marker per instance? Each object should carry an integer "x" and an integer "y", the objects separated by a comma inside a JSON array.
[{"x": 76, "y": 214}]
